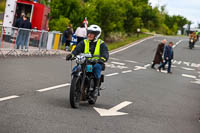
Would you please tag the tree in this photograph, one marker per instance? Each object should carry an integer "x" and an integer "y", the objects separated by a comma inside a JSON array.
[{"x": 2, "y": 5}]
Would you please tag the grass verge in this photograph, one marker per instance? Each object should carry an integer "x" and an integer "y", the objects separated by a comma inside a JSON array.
[{"x": 126, "y": 41}]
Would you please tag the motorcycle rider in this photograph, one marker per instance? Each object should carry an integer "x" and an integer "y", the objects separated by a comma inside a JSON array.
[
  {"x": 95, "y": 46},
  {"x": 194, "y": 37}
]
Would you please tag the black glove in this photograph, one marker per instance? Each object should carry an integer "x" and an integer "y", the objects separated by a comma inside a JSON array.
[{"x": 69, "y": 57}]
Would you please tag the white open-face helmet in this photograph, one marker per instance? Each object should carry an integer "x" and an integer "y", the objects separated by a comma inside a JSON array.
[{"x": 96, "y": 30}]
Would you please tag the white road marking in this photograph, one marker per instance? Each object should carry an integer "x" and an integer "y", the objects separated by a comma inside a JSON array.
[
  {"x": 195, "y": 65},
  {"x": 113, "y": 58},
  {"x": 186, "y": 63},
  {"x": 131, "y": 61},
  {"x": 176, "y": 62},
  {"x": 113, "y": 111},
  {"x": 118, "y": 63},
  {"x": 53, "y": 87},
  {"x": 115, "y": 66},
  {"x": 139, "y": 68},
  {"x": 189, "y": 76},
  {"x": 177, "y": 43},
  {"x": 189, "y": 69},
  {"x": 8, "y": 98},
  {"x": 131, "y": 45},
  {"x": 128, "y": 71},
  {"x": 199, "y": 72},
  {"x": 196, "y": 82},
  {"x": 112, "y": 74},
  {"x": 147, "y": 65},
  {"x": 162, "y": 71}
]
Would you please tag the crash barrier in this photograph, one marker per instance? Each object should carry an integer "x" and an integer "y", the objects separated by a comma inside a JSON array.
[{"x": 20, "y": 41}]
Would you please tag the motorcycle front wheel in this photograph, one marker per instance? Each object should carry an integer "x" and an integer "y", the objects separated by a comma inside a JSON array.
[{"x": 75, "y": 92}]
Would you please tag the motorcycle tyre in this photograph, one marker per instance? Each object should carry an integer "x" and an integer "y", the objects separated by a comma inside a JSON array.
[{"x": 74, "y": 94}]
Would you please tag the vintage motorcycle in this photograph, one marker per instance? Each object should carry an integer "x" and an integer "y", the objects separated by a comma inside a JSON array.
[
  {"x": 83, "y": 81},
  {"x": 191, "y": 43}
]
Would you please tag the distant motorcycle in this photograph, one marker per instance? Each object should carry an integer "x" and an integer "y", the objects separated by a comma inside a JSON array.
[
  {"x": 83, "y": 81},
  {"x": 191, "y": 43}
]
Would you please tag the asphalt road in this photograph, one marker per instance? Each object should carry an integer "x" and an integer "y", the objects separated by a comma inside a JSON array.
[{"x": 159, "y": 102}]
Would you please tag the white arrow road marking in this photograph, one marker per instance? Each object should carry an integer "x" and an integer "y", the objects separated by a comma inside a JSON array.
[
  {"x": 189, "y": 76},
  {"x": 199, "y": 72},
  {"x": 128, "y": 71},
  {"x": 131, "y": 61},
  {"x": 118, "y": 63},
  {"x": 147, "y": 65},
  {"x": 8, "y": 98},
  {"x": 196, "y": 82},
  {"x": 139, "y": 68},
  {"x": 53, "y": 87},
  {"x": 112, "y": 74},
  {"x": 113, "y": 111},
  {"x": 189, "y": 69},
  {"x": 186, "y": 63}
]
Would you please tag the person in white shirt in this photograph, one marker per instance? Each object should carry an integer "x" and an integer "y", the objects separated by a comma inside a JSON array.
[{"x": 81, "y": 33}]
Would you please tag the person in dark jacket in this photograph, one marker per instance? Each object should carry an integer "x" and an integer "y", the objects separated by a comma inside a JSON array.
[
  {"x": 26, "y": 32},
  {"x": 168, "y": 56},
  {"x": 93, "y": 46},
  {"x": 19, "y": 21},
  {"x": 18, "y": 24},
  {"x": 158, "y": 56},
  {"x": 68, "y": 36}
]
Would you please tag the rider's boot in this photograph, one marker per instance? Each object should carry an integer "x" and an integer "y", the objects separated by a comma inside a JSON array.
[{"x": 97, "y": 86}]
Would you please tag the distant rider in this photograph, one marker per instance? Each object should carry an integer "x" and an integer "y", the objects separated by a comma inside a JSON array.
[
  {"x": 193, "y": 36},
  {"x": 95, "y": 46}
]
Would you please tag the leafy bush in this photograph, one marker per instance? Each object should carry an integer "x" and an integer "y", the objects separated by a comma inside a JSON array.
[{"x": 59, "y": 24}]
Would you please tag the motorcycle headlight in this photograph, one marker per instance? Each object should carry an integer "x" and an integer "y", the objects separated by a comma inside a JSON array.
[{"x": 80, "y": 59}]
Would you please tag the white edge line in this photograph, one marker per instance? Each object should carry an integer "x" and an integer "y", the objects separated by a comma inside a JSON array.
[
  {"x": 112, "y": 74},
  {"x": 8, "y": 98},
  {"x": 189, "y": 76},
  {"x": 53, "y": 87},
  {"x": 131, "y": 45},
  {"x": 128, "y": 71}
]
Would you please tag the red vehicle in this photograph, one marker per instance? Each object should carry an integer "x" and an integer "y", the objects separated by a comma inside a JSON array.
[{"x": 38, "y": 13}]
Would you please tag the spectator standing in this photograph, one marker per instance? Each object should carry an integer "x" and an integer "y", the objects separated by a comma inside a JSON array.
[
  {"x": 168, "y": 56},
  {"x": 26, "y": 32},
  {"x": 68, "y": 35},
  {"x": 18, "y": 24},
  {"x": 81, "y": 33},
  {"x": 159, "y": 52}
]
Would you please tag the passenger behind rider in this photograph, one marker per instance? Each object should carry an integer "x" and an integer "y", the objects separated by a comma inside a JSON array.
[{"x": 95, "y": 46}]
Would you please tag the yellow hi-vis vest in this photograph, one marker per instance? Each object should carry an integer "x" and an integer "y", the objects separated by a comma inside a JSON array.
[{"x": 96, "y": 51}]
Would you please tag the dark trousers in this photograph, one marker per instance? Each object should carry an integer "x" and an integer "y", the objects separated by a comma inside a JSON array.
[{"x": 169, "y": 65}]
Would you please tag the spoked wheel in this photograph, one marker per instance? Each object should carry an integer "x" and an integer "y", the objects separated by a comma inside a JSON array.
[
  {"x": 92, "y": 99},
  {"x": 75, "y": 92}
]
